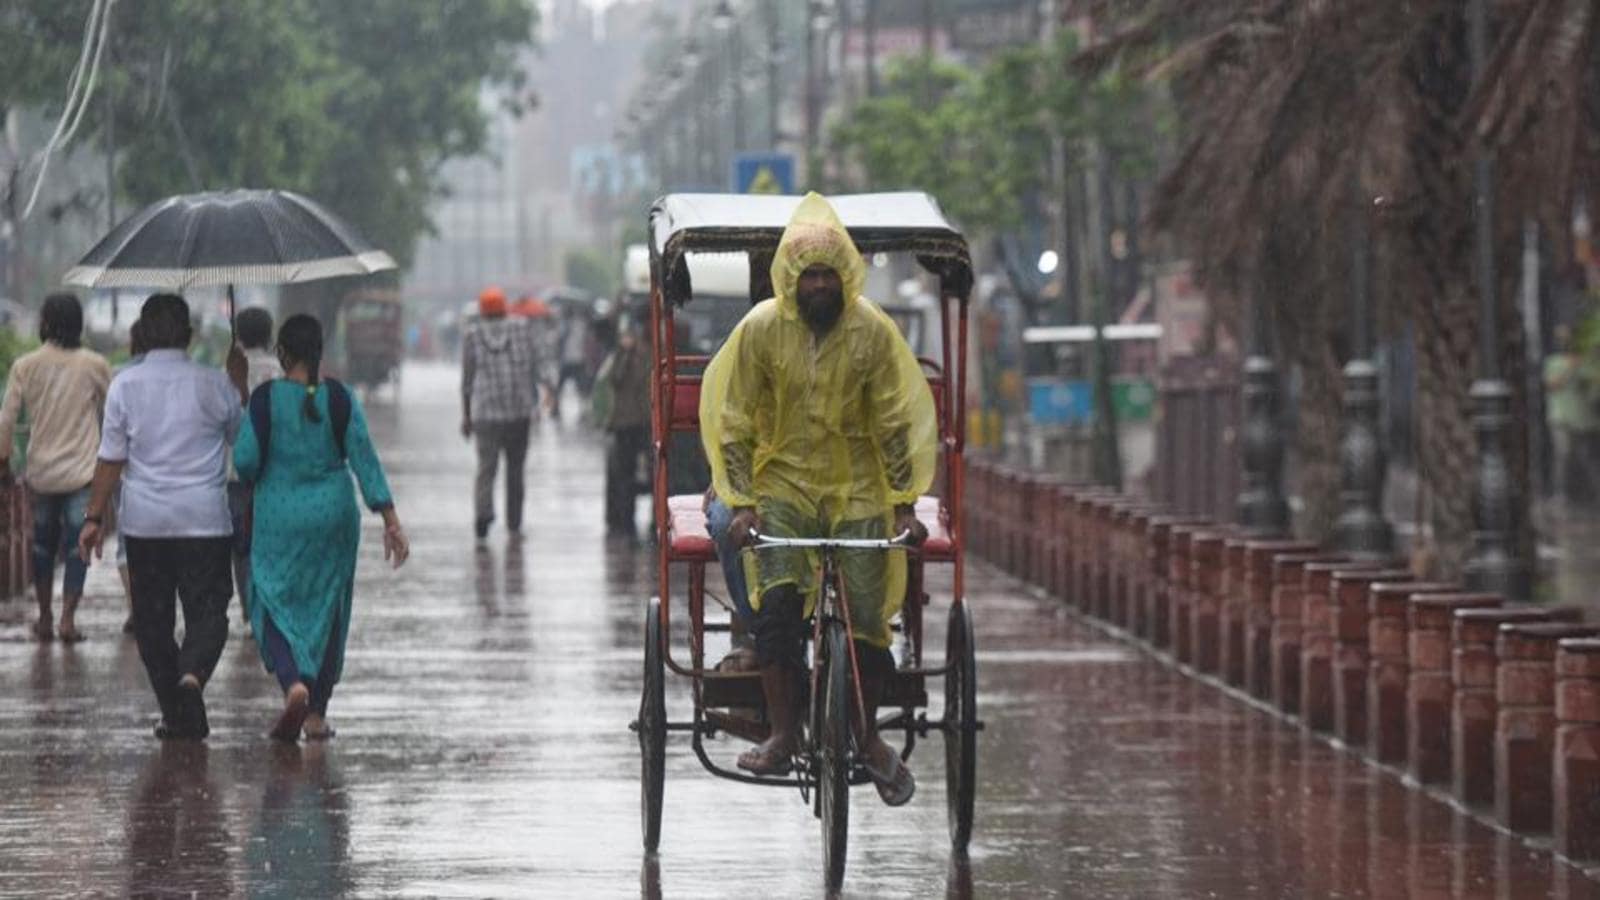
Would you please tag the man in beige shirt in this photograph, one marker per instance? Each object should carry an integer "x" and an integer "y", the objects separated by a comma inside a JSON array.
[{"x": 62, "y": 388}]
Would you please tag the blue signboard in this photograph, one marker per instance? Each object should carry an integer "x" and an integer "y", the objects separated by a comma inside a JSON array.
[{"x": 763, "y": 173}]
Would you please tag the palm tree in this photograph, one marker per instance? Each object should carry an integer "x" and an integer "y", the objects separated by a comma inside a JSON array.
[{"x": 1298, "y": 115}]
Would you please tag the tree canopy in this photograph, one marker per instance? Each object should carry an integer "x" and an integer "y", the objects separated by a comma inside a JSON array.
[{"x": 355, "y": 104}]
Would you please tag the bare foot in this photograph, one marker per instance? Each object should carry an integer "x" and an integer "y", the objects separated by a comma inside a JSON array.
[
  {"x": 44, "y": 630},
  {"x": 296, "y": 704}
]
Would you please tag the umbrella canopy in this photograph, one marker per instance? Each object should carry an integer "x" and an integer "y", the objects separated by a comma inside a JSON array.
[
  {"x": 531, "y": 307},
  {"x": 227, "y": 237}
]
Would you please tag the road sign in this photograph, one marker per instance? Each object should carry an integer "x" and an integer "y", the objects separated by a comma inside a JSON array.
[{"x": 763, "y": 173}]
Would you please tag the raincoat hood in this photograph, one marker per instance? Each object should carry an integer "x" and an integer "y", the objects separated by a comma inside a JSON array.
[{"x": 815, "y": 235}]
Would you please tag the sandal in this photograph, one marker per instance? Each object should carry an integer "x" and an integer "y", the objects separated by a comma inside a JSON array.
[
  {"x": 895, "y": 785},
  {"x": 766, "y": 762},
  {"x": 739, "y": 659},
  {"x": 326, "y": 734},
  {"x": 70, "y": 635},
  {"x": 44, "y": 631}
]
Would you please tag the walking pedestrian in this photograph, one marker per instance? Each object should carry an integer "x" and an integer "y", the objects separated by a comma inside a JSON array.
[
  {"x": 1571, "y": 384},
  {"x": 626, "y": 381},
  {"x": 62, "y": 387},
  {"x": 499, "y": 390},
  {"x": 304, "y": 437},
  {"x": 254, "y": 329},
  {"x": 168, "y": 424},
  {"x": 573, "y": 351}
]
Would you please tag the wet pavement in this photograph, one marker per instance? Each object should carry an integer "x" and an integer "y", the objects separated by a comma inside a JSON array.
[{"x": 483, "y": 749}]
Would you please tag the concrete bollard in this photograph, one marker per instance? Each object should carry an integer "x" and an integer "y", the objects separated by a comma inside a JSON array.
[
  {"x": 1351, "y": 651},
  {"x": 1288, "y": 614},
  {"x": 1430, "y": 691},
  {"x": 1576, "y": 825},
  {"x": 1525, "y": 724},
  {"x": 1258, "y": 612},
  {"x": 1180, "y": 585},
  {"x": 1206, "y": 562},
  {"x": 1474, "y": 706},
  {"x": 1125, "y": 560},
  {"x": 1389, "y": 664}
]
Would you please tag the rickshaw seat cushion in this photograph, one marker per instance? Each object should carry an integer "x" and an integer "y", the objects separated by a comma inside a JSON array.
[
  {"x": 939, "y": 546},
  {"x": 686, "y": 529}
]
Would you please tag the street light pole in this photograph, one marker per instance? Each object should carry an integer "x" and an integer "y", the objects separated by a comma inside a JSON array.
[
  {"x": 1362, "y": 530},
  {"x": 774, "y": 46},
  {"x": 1263, "y": 510},
  {"x": 1495, "y": 565}
]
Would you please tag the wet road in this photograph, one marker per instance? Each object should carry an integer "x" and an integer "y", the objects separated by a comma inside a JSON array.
[{"x": 484, "y": 750}]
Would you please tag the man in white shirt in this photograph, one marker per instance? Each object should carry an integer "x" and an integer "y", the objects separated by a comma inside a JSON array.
[{"x": 168, "y": 425}]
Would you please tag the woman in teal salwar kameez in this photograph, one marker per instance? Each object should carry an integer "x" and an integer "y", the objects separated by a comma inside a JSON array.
[{"x": 307, "y": 526}]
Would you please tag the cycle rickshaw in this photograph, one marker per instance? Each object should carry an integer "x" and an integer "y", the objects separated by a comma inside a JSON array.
[{"x": 729, "y": 703}]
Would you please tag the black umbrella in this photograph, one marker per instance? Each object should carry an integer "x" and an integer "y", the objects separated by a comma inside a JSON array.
[{"x": 227, "y": 237}]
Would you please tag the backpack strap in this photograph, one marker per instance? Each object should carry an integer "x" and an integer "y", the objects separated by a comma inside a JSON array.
[
  {"x": 339, "y": 405},
  {"x": 261, "y": 420}
]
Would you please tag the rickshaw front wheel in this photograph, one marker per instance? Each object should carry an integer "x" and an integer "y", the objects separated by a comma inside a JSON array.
[
  {"x": 652, "y": 728},
  {"x": 833, "y": 753},
  {"x": 961, "y": 725}
]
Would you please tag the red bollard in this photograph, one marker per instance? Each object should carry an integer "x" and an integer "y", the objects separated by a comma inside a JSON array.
[
  {"x": 1317, "y": 643},
  {"x": 1231, "y": 603},
  {"x": 1577, "y": 757},
  {"x": 1389, "y": 664},
  {"x": 1141, "y": 575},
  {"x": 1158, "y": 550},
  {"x": 1180, "y": 587},
  {"x": 1430, "y": 692},
  {"x": 1205, "y": 598},
  {"x": 1351, "y": 655},
  {"x": 1474, "y": 670},
  {"x": 1083, "y": 549},
  {"x": 1258, "y": 613},
  {"x": 1288, "y": 614},
  {"x": 1122, "y": 558},
  {"x": 1525, "y": 727}
]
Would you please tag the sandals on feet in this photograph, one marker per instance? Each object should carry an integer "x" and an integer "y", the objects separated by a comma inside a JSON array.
[
  {"x": 773, "y": 761},
  {"x": 69, "y": 635},
  {"x": 44, "y": 632},
  {"x": 894, "y": 783}
]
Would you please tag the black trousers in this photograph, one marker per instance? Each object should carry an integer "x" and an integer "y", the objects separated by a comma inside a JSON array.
[
  {"x": 197, "y": 572},
  {"x": 622, "y": 475}
]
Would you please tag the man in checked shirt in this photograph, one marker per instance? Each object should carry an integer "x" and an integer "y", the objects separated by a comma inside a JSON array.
[{"x": 499, "y": 392}]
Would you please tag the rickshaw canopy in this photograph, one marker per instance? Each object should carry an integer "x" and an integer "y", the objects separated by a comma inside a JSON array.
[{"x": 903, "y": 222}]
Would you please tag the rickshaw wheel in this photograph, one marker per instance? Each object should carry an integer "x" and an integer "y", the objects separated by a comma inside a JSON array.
[
  {"x": 652, "y": 728},
  {"x": 961, "y": 721},
  {"x": 833, "y": 746}
]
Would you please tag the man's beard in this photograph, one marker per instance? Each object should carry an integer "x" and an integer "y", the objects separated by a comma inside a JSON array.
[{"x": 822, "y": 309}]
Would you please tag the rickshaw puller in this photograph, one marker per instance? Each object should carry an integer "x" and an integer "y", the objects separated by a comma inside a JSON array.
[{"x": 818, "y": 422}]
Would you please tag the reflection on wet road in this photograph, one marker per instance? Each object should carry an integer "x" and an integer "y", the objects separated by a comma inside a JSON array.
[{"x": 484, "y": 751}]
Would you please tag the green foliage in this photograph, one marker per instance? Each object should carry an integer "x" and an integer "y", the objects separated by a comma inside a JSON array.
[
  {"x": 593, "y": 272},
  {"x": 982, "y": 140},
  {"x": 13, "y": 345},
  {"x": 355, "y": 104}
]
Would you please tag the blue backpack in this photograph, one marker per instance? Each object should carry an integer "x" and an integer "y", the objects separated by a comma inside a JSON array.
[{"x": 261, "y": 415}]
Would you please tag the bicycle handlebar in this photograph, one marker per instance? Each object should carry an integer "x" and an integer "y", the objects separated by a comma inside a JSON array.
[{"x": 763, "y": 541}]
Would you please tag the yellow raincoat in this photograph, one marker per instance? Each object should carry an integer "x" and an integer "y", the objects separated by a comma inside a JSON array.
[{"x": 823, "y": 437}]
